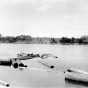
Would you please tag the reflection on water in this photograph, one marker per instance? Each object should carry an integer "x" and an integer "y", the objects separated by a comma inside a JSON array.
[
  {"x": 74, "y": 83},
  {"x": 71, "y": 56},
  {"x": 34, "y": 78}
]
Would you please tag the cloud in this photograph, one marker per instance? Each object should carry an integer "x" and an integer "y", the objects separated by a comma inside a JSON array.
[
  {"x": 38, "y": 5},
  {"x": 43, "y": 8},
  {"x": 70, "y": 6},
  {"x": 48, "y": 7},
  {"x": 44, "y": 5},
  {"x": 60, "y": 5}
]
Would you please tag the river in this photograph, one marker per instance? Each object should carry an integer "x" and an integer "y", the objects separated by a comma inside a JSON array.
[{"x": 75, "y": 56}]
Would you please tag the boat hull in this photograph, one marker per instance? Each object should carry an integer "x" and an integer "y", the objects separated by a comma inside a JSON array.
[{"x": 76, "y": 76}]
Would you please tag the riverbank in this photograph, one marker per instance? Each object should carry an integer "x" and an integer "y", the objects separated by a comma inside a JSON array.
[{"x": 27, "y": 39}]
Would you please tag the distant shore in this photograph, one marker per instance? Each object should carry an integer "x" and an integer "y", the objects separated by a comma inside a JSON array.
[{"x": 27, "y": 39}]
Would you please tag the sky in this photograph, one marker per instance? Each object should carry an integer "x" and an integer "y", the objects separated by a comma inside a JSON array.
[{"x": 44, "y": 18}]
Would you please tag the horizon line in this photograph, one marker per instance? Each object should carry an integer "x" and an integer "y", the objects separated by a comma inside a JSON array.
[{"x": 68, "y": 36}]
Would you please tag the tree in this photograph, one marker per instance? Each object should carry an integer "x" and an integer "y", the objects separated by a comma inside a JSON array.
[
  {"x": 52, "y": 40},
  {"x": 23, "y": 38}
]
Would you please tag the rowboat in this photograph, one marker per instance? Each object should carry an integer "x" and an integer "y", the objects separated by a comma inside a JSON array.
[{"x": 76, "y": 76}]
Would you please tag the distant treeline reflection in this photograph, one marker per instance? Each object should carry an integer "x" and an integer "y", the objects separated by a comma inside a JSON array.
[{"x": 43, "y": 40}]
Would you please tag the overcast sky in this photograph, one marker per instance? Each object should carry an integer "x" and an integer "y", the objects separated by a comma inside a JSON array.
[{"x": 44, "y": 17}]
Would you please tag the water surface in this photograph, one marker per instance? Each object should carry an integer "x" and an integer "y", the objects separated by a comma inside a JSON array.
[{"x": 70, "y": 56}]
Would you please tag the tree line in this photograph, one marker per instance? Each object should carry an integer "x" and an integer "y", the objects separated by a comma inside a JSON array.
[{"x": 43, "y": 40}]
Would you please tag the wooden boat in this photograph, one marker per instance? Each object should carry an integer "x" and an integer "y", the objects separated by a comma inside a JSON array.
[
  {"x": 24, "y": 56},
  {"x": 76, "y": 76}
]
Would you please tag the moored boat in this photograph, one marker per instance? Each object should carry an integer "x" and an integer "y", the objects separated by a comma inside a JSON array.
[{"x": 77, "y": 76}]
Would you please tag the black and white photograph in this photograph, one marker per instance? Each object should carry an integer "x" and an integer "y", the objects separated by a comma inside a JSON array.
[{"x": 43, "y": 43}]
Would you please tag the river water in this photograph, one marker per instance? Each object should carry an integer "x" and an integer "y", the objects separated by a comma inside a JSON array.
[{"x": 36, "y": 76}]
